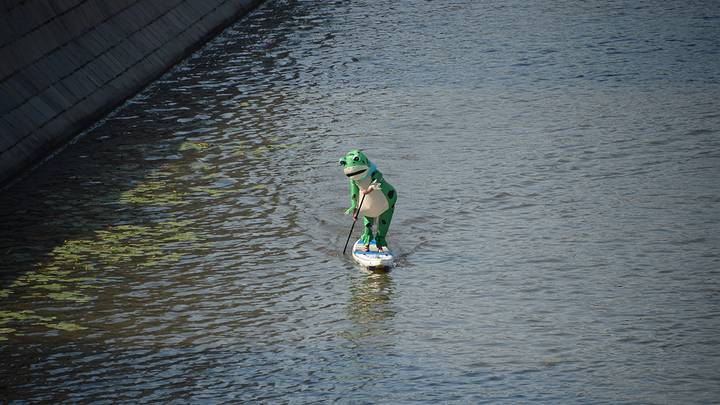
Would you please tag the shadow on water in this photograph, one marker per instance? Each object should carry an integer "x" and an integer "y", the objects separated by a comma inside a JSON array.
[{"x": 130, "y": 195}]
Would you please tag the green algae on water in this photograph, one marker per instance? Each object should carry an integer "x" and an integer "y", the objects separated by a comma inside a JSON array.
[
  {"x": 5, "y": 331},
  {"x": 212, "y": 192},
  {"x": 66, "y": 326},
  {"x": 152, "y": 193},
  {"x": 7, "y": 316},
  {"x": 69, "y": 296},
  {"x": 49, "y": 287},
  {"x": 198, "y": 146},
  {"x": 70, "y": 275}
]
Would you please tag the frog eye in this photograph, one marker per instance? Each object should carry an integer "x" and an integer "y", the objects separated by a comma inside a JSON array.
[
  {"x": 356, "y": 158},
  {"x": 342, "y": 162}
]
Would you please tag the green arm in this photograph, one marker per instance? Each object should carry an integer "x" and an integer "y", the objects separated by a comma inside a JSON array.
[{"x": 354, "y": 193}]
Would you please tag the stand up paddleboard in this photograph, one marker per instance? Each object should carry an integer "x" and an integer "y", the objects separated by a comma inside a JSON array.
[{"x": 372, "y": 259}]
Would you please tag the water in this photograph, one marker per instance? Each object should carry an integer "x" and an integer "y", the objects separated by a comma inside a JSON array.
[{"x": 558, "y": 223}]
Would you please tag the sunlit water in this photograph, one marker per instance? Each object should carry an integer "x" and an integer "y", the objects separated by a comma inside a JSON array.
[{"x": 558, "y": 222}]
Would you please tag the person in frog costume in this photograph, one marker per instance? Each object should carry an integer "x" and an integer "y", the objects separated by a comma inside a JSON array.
[{"x": 379, "y": 196}]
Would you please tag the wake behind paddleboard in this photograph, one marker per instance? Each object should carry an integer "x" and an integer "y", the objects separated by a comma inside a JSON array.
[{"x": 372, "y": 259}]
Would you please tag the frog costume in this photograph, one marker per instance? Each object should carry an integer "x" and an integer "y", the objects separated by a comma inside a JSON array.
[{"x": 380, "y": 196}]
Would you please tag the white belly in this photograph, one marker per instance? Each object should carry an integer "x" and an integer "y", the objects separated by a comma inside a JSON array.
[{"x": 374, "y": 204}]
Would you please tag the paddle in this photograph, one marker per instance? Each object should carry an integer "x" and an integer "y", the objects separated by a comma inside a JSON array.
[{"x": 355, "y": 215}]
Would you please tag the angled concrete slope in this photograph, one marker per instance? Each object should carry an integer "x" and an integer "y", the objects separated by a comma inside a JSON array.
[{"x": 64, "y": 64}]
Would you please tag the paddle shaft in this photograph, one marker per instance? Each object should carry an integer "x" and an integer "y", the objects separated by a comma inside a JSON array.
[{"x": 353, "y": 224}]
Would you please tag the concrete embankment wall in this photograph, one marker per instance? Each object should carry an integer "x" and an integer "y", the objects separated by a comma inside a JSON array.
[{"x": 66, "y": 63}]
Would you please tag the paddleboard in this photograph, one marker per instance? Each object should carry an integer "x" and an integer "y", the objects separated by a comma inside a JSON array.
[{"x": 372, "y": 259}]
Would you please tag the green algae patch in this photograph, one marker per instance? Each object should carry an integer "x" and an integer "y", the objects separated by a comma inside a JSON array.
[
  {"x": 30, "y": 318},
  {"x": 66, "y": 326},
  {"x": 160, "y": 174},
  {"x": 261, "y": 150},
  {"x": 49, "y": 287},
  {"x": 117, "y": 245},
  {"x": 173, "y": 257},
  {"x": 70, "y": 275},
  {"x": 171, "y": 225},
  {"x": 121, "y": 232},
  {"x": 152, "y": 193},
  {"x": 31, "y": 277},
  {"x": 71, "y": 252},
  {"x": 54, "y": 270},
  {"x": 7, "y": 316},
  {"x": 69, "y": 296},
  {"x": 212, "y": 192},
  {"x": 198, "y": 146},
  {"x": 187, "y": 236},
  {"x": 110, "y": 247}
]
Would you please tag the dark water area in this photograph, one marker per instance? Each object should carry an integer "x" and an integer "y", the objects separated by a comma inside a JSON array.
[{"x": 558, "y": 221}]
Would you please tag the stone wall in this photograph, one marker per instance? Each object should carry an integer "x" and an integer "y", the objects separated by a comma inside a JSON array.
[{"x": 66, "y": 63}]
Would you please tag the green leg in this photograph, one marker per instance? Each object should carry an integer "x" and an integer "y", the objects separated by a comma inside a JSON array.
[
  {"x": 386, "y": 217},
  {"x": 367, "y": 235},
  {"x": 383, "y": 226}
]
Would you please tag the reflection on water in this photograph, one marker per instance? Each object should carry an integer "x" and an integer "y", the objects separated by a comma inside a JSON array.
[
  {"x": 559, "y": 241},
  {"x": 370, "y": 304}
]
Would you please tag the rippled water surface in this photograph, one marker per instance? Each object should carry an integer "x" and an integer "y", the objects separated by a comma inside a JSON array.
[{"x": 558, "y": 224}]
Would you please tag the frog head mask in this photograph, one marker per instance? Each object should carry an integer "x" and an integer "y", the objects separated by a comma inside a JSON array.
[{"x": 355, "y": 165}]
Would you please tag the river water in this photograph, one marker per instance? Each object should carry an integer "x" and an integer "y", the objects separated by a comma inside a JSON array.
[{"x": 558, "y": 221}]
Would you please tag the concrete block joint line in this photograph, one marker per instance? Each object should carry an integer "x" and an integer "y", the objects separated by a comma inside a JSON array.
[
  {"x": 16, "y": 36},
  {"x": 96, "y": 56}
]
